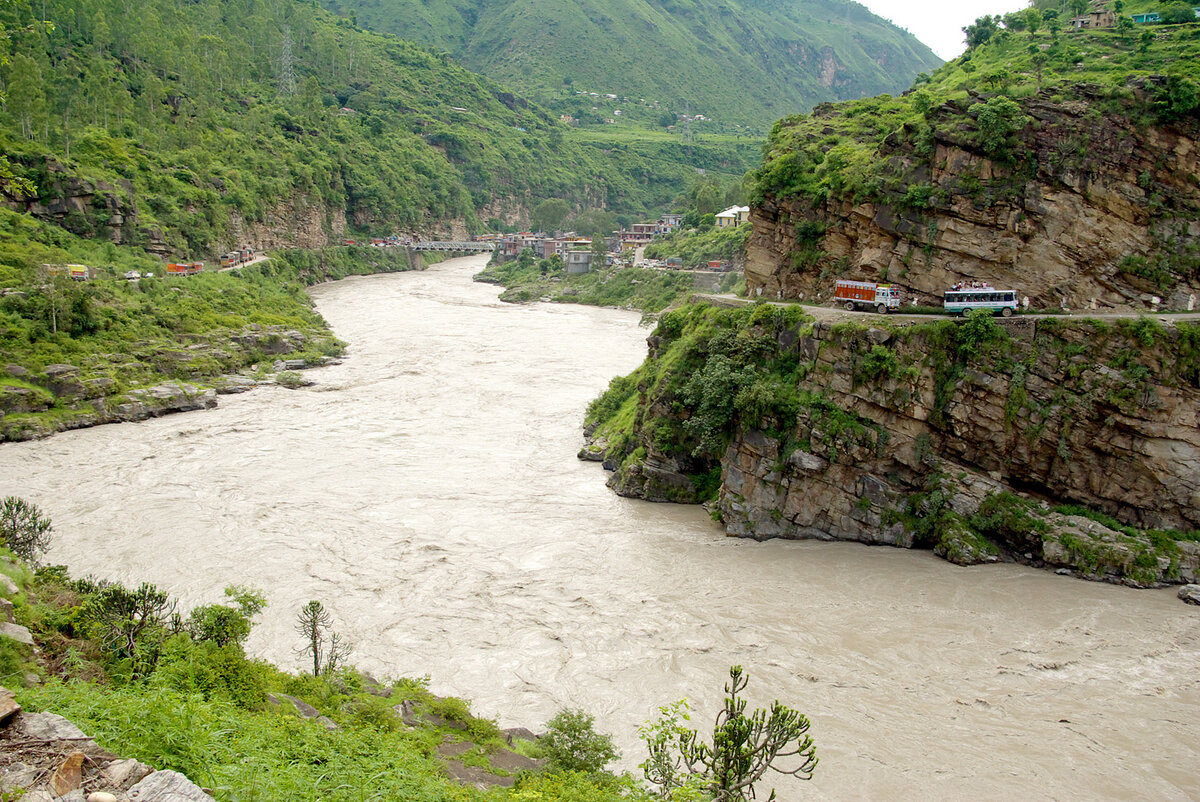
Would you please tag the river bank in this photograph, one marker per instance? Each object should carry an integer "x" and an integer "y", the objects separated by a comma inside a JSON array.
[{"x": 427, "y": 489}]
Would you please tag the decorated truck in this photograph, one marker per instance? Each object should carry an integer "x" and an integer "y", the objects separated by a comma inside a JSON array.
[
  {"x": 184, "y": 268},
  {"x": 866, "y": 295}
]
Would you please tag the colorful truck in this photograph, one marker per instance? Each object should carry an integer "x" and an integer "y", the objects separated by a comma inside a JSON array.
[
  {"x": 866, "y": 295},
  {"x": 79, "y": 272},
  {"x": 184, "y": 268}
]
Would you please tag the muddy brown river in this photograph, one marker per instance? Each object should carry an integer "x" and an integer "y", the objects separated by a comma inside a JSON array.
[{"x": 427, "y": 490}]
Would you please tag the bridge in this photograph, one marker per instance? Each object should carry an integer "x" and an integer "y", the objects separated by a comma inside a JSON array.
[{"x": 457, "y": 247}]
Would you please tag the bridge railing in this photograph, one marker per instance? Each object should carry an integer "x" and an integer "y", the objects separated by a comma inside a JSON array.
[{"x": 432, "y": 245}]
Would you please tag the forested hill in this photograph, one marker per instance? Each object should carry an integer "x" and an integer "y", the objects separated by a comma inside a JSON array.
[
  {"x": 182, "y": 127},
  {"x": 740, "y": 61}
]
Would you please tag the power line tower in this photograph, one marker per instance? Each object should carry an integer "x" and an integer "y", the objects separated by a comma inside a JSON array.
[{"x": 287, "y": 67}]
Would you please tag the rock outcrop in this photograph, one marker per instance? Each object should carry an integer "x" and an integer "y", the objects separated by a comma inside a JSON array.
[
  {"x": 95, "y": 393},
  {"x": 1082, "y": 210},
  {"x": 899, "y": 434},
  {"x": 44, "y": 757}
]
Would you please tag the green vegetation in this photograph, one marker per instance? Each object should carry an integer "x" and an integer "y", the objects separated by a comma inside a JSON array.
[
  {"x": 697, "y": 248},
  {"x": 178, "y": 132},
  {"x": 24, "y": 529},
  {"x": 741, "y": 750},
  {"x": 1111, "y": 83},
  {"x": 722, "y": 366},
  {"x": 123, "y": 335},
  {"x": 571, "y": 743},
  {"x": 526, "y": 279},
  {"x": 739, "y": 62},
  {"x": 178, "y": 692}
]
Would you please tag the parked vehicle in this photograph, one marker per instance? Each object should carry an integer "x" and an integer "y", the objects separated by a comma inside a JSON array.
[
  {"x": 962, "y": 298},
  {"x": 866, "y": 295},
  {"x": 184, "y": 268},
  {"x": 79, "y": 272}
]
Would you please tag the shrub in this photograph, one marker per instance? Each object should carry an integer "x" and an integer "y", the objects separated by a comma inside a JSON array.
[
  {"x": 24, "y": 529},
  {"x": 1009, "y": 519},
  {"x": 572, "y": 743}
]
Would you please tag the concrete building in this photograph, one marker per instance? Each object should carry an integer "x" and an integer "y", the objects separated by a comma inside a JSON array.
[
  {"x": 734, "y": 215},
  {"x": 578, "y": 261}
]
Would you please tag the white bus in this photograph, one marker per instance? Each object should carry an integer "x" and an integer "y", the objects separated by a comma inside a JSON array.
[{"x": 961, "y": 300}]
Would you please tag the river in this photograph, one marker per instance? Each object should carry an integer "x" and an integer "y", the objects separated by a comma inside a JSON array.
[{"x": 427, "y": 490}]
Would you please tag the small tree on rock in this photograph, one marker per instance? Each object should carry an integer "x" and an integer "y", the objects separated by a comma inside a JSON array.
[
  {"x": 24, "y": 529},
  {"x": 326, "y": 648},
  {"x": 742, "y": 748}
]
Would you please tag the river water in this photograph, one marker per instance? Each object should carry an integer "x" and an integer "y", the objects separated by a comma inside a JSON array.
[{"x": 427, "y": 490}]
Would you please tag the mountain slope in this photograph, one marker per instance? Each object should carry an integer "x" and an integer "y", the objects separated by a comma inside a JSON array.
[
  {"x": 187, "y": 128},
  {"x": 1059, "y": 164},
  {"x": 740, "y": 61}
]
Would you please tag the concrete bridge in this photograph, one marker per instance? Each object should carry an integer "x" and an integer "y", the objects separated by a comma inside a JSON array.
[{"x": 457, "y": 247}]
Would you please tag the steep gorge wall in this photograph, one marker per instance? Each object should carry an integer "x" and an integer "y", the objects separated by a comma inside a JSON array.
[
  {"x": 899, "y": 423},
  {"x": 1084, "y": 208}
]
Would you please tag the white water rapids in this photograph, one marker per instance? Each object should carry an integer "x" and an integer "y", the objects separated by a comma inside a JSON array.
[{"x": 427, "y": 491}]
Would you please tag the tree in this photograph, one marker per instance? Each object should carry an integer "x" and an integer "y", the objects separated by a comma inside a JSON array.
[
  {"x": 1180, "y": 98},
  {"x": 549, "y": 215},
  {"x": 999, "y": 120},
  {"x": 223, "y": 624},
  {"x": 981, "y": 30},
  {"x": 599, "y": 252},
  {"x": 742, "y": 747},
  {"x": 1178, "y": 13},
  {"x": 327, "y": 650},
  {"x": 572, "y": 743},
  {"x": 24, "y": 529},
  {"x": 132, "y": 623}
]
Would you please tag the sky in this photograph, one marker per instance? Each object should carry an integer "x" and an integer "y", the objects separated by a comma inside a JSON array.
[{"x": 939, "y": 23}]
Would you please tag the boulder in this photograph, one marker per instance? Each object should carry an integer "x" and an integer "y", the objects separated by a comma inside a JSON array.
[
  {"x": 1190, "y": 594},
  {"x": 16, "y": 632},
  {"x": 50, "y": 727},
  {"x": 518, "y": 734},
  {"x": 101, "y": 796},
  {"x": 229, "y": 384},
  {"x": 167, "y": 786},
  {"x": 124, "y": 774},
  {"x": 18, "y": 775},
  {"x": 68, "y": 776},
  {"x": 299, "y": 705},
  {"x": 8, "y": 705}
]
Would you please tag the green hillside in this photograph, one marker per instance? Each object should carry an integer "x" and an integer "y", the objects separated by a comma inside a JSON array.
[
  {"x": 1144, "y": 74},
  {"x": 739, "y": 61},
  {"x": 180, "y": 127}
]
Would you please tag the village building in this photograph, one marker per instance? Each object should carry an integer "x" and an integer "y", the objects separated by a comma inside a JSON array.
[
  {"x": 578, "y": 261},
  {"x": 734, "y": 215},
  {"x": 1098, "y": 16}
]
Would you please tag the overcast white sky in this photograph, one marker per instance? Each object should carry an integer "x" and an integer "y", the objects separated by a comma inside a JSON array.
[{"x": 939, "y": 23}]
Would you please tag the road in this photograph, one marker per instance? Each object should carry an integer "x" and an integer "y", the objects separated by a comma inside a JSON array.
[
  {"x": 262, "y": 257},
  {"x": 839, "y": 313}
]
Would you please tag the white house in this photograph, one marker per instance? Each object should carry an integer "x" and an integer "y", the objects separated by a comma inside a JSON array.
[{"x": 733, "y": 216}]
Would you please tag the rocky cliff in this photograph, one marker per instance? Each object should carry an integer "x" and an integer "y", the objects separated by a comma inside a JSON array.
[
  {"x": 1054, "y": 442},
  {"x": 1076, "y": 199}
]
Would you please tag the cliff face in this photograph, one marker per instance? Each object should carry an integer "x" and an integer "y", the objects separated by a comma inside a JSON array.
[
  {"x": 1078, "y": 206},
  {"x": 930, "y": 434}
]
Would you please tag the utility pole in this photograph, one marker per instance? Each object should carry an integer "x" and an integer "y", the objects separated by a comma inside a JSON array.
[{"x": 287, "y": 68}]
